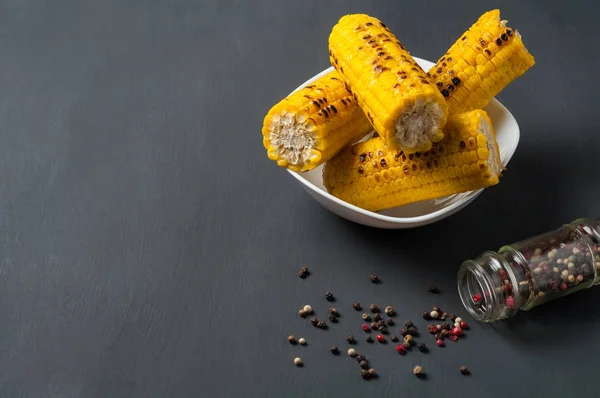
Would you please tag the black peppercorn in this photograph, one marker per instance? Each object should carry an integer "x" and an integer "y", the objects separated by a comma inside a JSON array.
[
  {"x": 374, "y": 308},
  {"x": 433, "y": 289},
  {"x": 350, "y": 339},
  {"x": 374, "y": 325},
  {"x": 332, "y": 319},
  {"x": 314, "y": 320},
  {"x": 364, "y": 364},
  {"x": 329, "y": 296},
  {"x": 369, "y": 339},
  {"x": 334, "y": 350},
  {"x": 447, "y": 326},
  {"x": 377, "y": 318},
  {"x": 426, "y": 315},
  {"x": 453, "y": 318},
  {"x": 411, "y": 330},
  {"x": 364, "y": 374},
  {"x": 394, "y": 338},
  {"x": 464, "y": 370},
  {"x": 356, "y": 306},
  {"x": 383, "y": 330},
  {"x": 389, "y": 322},
  {"x": 408, "y": 324},
  {"x": 422, "y": 347},
  {"x": 334, "y": 312},
  {"x": 403, "y": 332},
  {"x": 360, "y": 358},
  {"x": 303, "y": 272},
  {"x": 373, "y": 278}
]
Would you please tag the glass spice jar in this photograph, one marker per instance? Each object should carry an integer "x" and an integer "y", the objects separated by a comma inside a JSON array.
[{"x": 526, "y": 274}]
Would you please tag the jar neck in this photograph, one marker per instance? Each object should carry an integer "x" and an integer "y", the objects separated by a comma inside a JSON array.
[{"x": 494, "y": 286}]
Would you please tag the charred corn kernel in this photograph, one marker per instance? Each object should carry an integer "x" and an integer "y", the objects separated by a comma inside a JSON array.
[
  {"x": 489, "y": 56},
  {"x": 466, "y": 159},
  {"x": 310, "y": 126},
  {"x": 393, "y": 91}
]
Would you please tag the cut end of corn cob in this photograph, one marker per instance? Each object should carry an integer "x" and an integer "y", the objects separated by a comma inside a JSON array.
[
  {"x": 481, "y": 63},
  {"x": 397, "y": 96},
  {"x": 313, "y": 124},
  {"x": 374, "y": 177}
]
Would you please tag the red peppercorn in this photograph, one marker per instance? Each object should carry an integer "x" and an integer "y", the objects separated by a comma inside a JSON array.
[
  {"x": 463, "y": 325},
  {"x": 477, "y": 298},
  {"x": 439, "y": 342},
  {"x": 400, "y": 349},
  {"x": 563, "y": 286},
  {"x": 432, "y": 329},
  {"x": 510, "y": 302},
  {"x": 456, "y": 331},
  {"x": 366, "y": 327},
  {"x": 380, "y": 338},
  {"x": 453, "y": 337},
  {"x": 502, "y": 273}
]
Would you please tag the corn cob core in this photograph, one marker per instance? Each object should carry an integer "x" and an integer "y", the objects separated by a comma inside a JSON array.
[
  {"x": 374, "y": 177},
  {"x": 402, "y": 104},
  {"x": 481, "y": 63},
  {"x": 311, "y": 125}
]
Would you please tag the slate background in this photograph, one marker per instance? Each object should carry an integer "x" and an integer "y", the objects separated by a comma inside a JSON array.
[{"x": 148, "y": 247}]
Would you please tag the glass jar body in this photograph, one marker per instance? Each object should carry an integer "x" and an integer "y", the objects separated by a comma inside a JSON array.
[{"x": 529, "y": 273}]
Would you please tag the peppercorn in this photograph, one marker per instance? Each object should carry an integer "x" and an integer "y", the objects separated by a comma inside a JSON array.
[
  {"x": 297, "y": 361},
  {"x": 443, "y": 316},
  {"x": 408, "y": 339},
  {"x": 374, "y": 308},
  {"x": 307, "y": 309},
  {"x": 372, "y": 372},
  {"x": 320, "y": 324},
  {"x": 302, "y": 341},
  {"x": 314, "y": 320},
  {"x": 374, "y": 278},
  {"x": 426, "y": 315},
  {"x": 292, "y": 339},
  {"x": 366, "y": 317},
  {"x": 360, "y": 358},
  {"x": 432, "y": 329},
  {"x": 364, "y": 374},
  {"x": 422, "y": 347},
  {"x": 403, "y": 332},
  {"x": 334, "y": 350},
  {"x": 400, "y": 349},
  {"x": 433, "y": 289},
  {"x": 332, "y": 319},
  {"x": 453, "y": 318},
  {"x": 447, "y": 326},
  {"x": 408, "y": 324},
  {"x": 380, "y": 338},
  {"x": 389, "y": 310},
  {"x": 304, "y": 272},
  {"x": 389, "y": 322},
  {"x": 380, "y": 324},
  {"x": 477, "y": 298},
  {"x": 350, "y": 339},
  {"x": 394, "y": 338},
  {"x": 445, "y": 333},
  {"x": 418, "y": 371},
  {"x": 439, "y": 342},
  {"x": 356, "y": 306},
  {"x": 464, "y": 370},
  {"x": 369, "y": 339},
  {"x": 334, "y": 312},
  {"x": 377, "y": 318},
  {"x": 434, "y": 314},
  {"x": 374, "y": 326},
  {"x": 302, "y": 313},
  {"x": 412, "y": 330},
  {"x": 329, "y": 297},
  {"x": 464, "y": 325},
  {"x": 364, "y": 364},
  {"x": 366, "y": 327},
  {"x": 459, "y": 320}
]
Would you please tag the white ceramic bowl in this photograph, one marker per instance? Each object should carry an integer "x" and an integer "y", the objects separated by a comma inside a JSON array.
[{"x": 420, "y": 213}]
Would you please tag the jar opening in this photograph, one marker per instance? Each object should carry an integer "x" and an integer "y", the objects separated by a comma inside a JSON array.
[{"x": 474, "y": 290}]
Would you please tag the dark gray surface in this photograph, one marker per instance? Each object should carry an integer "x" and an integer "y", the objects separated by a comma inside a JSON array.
[{"x": 148, "y": 247}]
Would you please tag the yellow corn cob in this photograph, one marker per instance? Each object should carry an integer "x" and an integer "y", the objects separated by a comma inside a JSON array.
[
  {"x": 372, "y": 176},
  {"x": 397, "y": 96},
  {"x": 481, "y": 63},
  {"x": 310, "y": 126}
]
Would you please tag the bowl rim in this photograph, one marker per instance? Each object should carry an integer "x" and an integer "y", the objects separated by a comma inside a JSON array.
[{"x": 448, "y": 210}]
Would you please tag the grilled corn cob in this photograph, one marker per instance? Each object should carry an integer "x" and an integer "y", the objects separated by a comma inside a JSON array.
[
  {"x": 311, "y": 125},
  {"x": 481, "y": 63},
  {"x": 374, "y": 177},
  {"x": 402, "y": 104}
]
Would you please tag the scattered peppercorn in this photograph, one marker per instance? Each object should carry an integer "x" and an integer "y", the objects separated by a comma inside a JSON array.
[
  {"x": 412, "y": 330},
  {"x": 302, "y": 341},
  {"x": 408, "y": 339},
  {"x": 400, "y": 349},
  {"x": 302, "y": 313},
  {"x": 377, "y": 318},
  {"x": 334, "y": 350},
  {"x": 418, "y": 371},
  {"x": 408, "y": 324},
  {"x": 432, "y": 329},
  {"x": 333, "y": 319},
  {"x": 350, "y": 339},
  {"x": 369, "y": 339},
  {"x": 364, "y": 374},
  {"x": 372, "y": 372},
  {"x": 307, "y": 309},
  {"x": 364, "y": 364},
  {"x": 314, "y": 320},
  {"x": 292, "y": 339},
  {"x": 403, "y": 332},
  {"x": 433, "y": 289},
  {"x": 352, "y": 352},
  {"x": 334, "y": 312},
  {"x": 434, "y": 314},
  {"x": 297, "y": 361},
  {"x": 389, "y": 310},
  {"x": 458, "y": 319},
  {"x": 453, "y": 318},
  {"x": 426, "y": 315},
  {"x": 356, "y": 306},
  {"x": 374, "y": 278},
  {"x": 463, "y": 325},
  {"x": 394, "y": 338},
  {"x": 374, "y": 308},
  {"x": 321, "y": 325},
  {"x": 464, "y": 370},
  {"x": 366, "y": 317},
  {"x": 329, "y": 296},
  {"x": 439, "y": 342},
  {"x": 304, "y": 272},
  {"x": 366, "y": 327},
  {"x": 422, "y": 347},
  {"x": 374, "y": 326},
  {"x": 380, "y": 338},
  {"x": 360, "y": 358},
  {"x": 389, "y": 322}
]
